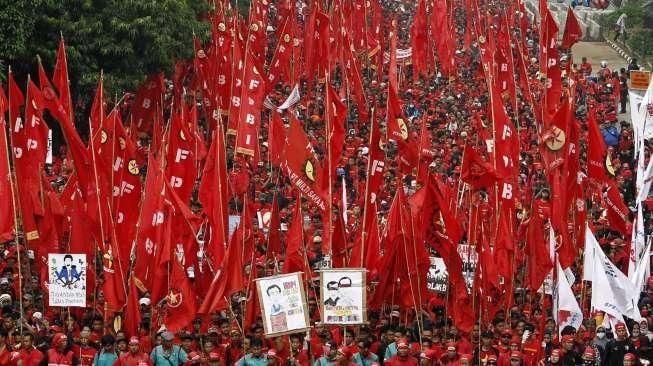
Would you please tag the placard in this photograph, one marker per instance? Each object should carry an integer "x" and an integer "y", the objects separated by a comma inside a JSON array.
[
  {"x": 437, "y": 278},
  {"x": 283, "y": 304},
  {"x": 342, "y": 291},
  {"x": 640, "y": 79},
  {"x": 67, "y": 280}
]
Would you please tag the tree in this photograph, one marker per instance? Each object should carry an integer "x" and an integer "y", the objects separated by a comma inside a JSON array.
[{"x": 126, "y": 39}]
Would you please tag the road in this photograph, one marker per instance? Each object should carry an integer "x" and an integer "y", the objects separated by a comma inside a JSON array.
[{"x": 597, "y": 52}]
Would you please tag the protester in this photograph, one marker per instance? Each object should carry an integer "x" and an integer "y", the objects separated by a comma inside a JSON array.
[{"x": 135, "y": 357}]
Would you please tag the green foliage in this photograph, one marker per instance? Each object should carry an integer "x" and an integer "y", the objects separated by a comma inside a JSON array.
[
  {"x": 127, "y": 39},
  {"x": 633, "y": 9},
  {"x": 641, "y": 42},
  {"x": 638, "y": 26}
]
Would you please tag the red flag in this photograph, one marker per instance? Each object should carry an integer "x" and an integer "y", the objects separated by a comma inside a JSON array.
[
  {"x": 475, "y": 171},
  {"x": 133, "y": 310},
  {"x": 537, "y": 252},
  {"x": 230, "y": 279},
  {"x": 573, "y": 31},
  {"x": 398, "y": 130},
  {"x": 61, "y": 81},
  {"x": 181, "y": 167},
  {"x": 597, "y": 158},
  {"x": 549, "y": 65},
  {"x": 337, "y": 119},
  {"x": 58, "y": 110},
  {"x": 616, "y": 209},
  {"x": 303, "y": 167},
  {"x": 213, "y": 193},
  {"x": 181, "y": 305},
  {"x": 287, "y": 46},
  {"x": 251, "y": 101},
  {"x": 418, "y": 40},
  {"x": 148, "y": 97},
  {"x": 295, "y": 259},
  {"x": 274, "y": 236},
  {"x": 7, "y": 219},
  {"x": 276, "y": 138}
]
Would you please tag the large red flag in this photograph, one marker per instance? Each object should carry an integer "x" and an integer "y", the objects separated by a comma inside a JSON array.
[
  {"x": 475, "y": 171},
  {"x": 213, "y": 193},
  {"x": 337, "y": 120},
  {"x": 418, "y": 40},
  {"x": 149, "y": 99},
  {"x": 61, "y": 81},
  {"x": 181, "y": 167},
  {"x": 6, "y": 192},
  {"x": 230, "y": 279},
  {"x": 249, "y": 113},
  {"x": 181, "y": 305},
  {"x": 303, "y": 167},
  {"x": 295, "y": 259},
  {"x": 133, "y": 310},
  {"x": 573, "y": 31},
  {"x": 537, "y": 252}
]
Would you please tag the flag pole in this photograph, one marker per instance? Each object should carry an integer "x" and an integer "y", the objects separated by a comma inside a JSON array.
[
  {"x": 12, "y": 174},
  {"x": 367, "y": 190}
]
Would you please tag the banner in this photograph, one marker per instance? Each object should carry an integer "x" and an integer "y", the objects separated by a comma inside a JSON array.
[
  {"x": 469, "y": 257},
  {"x": 342, "y": 292},
  {"x": 437, "y": 277},
  {"x": 283, "y": 304},
  {"x": 67, "y": 280}
]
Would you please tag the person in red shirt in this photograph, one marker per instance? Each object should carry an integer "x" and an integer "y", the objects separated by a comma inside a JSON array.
[
  {"x": 28, "y": 354},
  {"x": 298, "y": 355},
  {"x": 451, "y": 358},
  {"x": 343, "y": 357},
  {"x": 585, "y": 67},
  {"x": 5, "y": 351},
  {"x": 135, "y": 357},
  {"x": 403, "y": 357},
  {"x": 84, "y": 351}
]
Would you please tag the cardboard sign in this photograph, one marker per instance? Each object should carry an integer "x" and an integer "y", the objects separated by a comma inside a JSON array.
[{"x": 640, "y": 79}]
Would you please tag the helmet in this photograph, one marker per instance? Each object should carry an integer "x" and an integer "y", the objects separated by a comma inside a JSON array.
[{"x": 604, "y": 64}]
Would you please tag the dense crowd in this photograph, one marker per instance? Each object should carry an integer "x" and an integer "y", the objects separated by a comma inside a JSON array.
[{"x": 454, "y": 110}]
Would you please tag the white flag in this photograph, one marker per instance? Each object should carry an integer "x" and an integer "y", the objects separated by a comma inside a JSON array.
[
  {"x": 568, "y": 311},
  {"x": 642, "y": 270},
  {"x": 637, "y": 243},
  {"x": 588, "y": 255},
  {"x": 645, "y": 186},
  {"x": 612, "y": 291}
]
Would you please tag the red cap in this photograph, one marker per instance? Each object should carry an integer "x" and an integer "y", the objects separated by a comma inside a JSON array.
[
  {"x": 345, "y": 351},
  {"x": 134, "y": 340},
  {"x": 492, "y": 357},
  {"x": 451, "y": 346},
  {"x": 629, "y": 356},
  {"x": 567, "y": 338},
  {"x": 589, "y": 353},
  {"x": 214, "y": 356},
  {"x": 515, "y": 354},
  {"x": 620, "y": 326},
  {"x": 556, "y": 352},
  {"x": 515, "y": 340},
  {"x": 402, "y": 343},
  {"x": 507, "y": 332},
  {"x": 466, "y": 357},
  {"x": 429, "y": 354},
  {"x": 650, "y": 280},
  {"x": 59, "y": 338}
]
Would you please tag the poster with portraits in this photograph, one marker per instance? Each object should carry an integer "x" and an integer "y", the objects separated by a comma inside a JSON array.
[
  {"x": 283, "y": 304},
  {"x": 67, "y": 279},
  {"x": 342, "y": 293}
]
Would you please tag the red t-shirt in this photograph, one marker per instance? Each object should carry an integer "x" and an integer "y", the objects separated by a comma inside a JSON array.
[{"x": 398, "y": 361}]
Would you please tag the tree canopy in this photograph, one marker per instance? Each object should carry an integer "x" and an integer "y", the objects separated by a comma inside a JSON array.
[{"x": 127, "y": 39}]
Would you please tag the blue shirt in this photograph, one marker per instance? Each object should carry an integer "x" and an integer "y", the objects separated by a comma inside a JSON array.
[
  {"x": 249, "y": 360},
  {"x": 176, "y": 357},
  {"x": 323, "y": 361},
  {"x": 105, "y": 358},
  {"x": 365, "y": 361},
  {"x": 390, "y": 351}
]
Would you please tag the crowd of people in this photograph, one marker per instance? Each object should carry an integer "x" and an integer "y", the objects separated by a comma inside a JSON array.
[{"x": 524, "y": 334}]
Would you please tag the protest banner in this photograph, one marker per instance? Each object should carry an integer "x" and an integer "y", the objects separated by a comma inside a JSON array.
[
  {"x": 283, "y": 304},
  {"x": 343, "y": 296},
  {"x": 67, "y": 280}
]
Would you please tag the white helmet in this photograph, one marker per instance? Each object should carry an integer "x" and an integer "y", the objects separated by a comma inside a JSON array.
[{"x": 604, "y": 64}]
